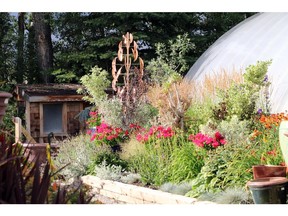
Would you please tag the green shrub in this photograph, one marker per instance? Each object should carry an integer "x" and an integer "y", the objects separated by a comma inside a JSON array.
[
  {"x": 197, "y": 114},
  {"x": 109, "y": 157},
  {"x": 115, "y": 173},
  {"x": 78, "y": 152},
  {"x": 170, "y": 60},
  {"x": 152, "y": 163},
  {"x": 95, "y": 85},
  {"x": 108, "y": 172},
  {"x": 228, "y": 166},
  {"x": 130, "y": 178},
  {"x": 241, "y": 99},
  {"x": 111, "y": 111},
  {"x": 234, "y": 130},
  {"x": 179, "y": 189},
  {"x": 228, "y": 196}
]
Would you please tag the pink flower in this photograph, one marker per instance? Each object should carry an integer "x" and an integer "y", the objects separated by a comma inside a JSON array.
[
  {"x": 207, "y": 142},
  {"x": 160, "y": 128},
  {"x": 223, "y": 141},
  {"x": 215, "y": 144},
  {"x": 151, "y": 131},
  {"x": 139, "y": 137},
  {"x": 93, "y": 137}
]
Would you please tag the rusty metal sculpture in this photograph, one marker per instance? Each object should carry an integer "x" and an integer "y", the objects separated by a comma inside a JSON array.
[{"x": 133, "y": 86}]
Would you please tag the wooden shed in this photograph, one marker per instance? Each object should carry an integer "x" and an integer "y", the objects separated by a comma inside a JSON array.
[{"x": 50, "y": 108}]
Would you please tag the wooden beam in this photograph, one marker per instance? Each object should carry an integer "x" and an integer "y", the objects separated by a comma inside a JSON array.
[
  {"x": 64, "y": 118},
  {"x": 55, "y": 98},
  {"x": 29, "y": 138},
  {"x": 27, "y": 116},
  {"x": 18, "y": 129}
]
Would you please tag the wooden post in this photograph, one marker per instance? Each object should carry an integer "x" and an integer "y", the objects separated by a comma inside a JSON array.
[{"x": 18, "y": 129}]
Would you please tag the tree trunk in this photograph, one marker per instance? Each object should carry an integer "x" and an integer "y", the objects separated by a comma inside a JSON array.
[
  {"x": 44, "y": 43},
  {"x": 20, "y": 48}
]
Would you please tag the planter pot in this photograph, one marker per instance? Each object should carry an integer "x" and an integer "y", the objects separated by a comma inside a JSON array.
[
  {"x": 283, "y": 139},
  {"x": 4, "y": 98},
  {"x": 271, "y": 190},
  {"x": 263, "y": 171}
]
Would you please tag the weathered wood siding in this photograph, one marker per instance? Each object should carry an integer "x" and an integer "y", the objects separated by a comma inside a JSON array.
[
  {"x": 35, "y": 120},
  {"x": 73, "y": 125}
]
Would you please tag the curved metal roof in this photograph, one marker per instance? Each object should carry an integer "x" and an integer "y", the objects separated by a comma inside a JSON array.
[{"x": 261, "y": 37}]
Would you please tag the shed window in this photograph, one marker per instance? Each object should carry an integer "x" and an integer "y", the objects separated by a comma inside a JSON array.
[{"x": 52, "y": 118}]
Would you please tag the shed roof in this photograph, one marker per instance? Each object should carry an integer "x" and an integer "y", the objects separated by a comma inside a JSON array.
[{"x": 47, "y": 92}]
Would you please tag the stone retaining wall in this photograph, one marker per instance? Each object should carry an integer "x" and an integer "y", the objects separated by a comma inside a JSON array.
[{"x": 131, "y": 194}]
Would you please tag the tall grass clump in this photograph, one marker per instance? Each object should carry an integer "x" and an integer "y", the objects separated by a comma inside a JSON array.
[
  {"x": 172, "y": 159},
  {"x": 186, "y": 162}
]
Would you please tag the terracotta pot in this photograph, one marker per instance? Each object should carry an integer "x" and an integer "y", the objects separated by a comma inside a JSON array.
[
  {"x": 264, "y": 171},
  {"x": 4, "y": 98}
]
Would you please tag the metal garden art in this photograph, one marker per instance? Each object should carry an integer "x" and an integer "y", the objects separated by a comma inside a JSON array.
[{"x": 130, "y": 74}]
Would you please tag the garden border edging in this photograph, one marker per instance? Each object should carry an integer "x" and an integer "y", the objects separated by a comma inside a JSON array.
[{"x": 132, "y": 194}]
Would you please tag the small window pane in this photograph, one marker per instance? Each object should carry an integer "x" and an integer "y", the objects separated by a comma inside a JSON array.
[{"x": 52, "y": 117}]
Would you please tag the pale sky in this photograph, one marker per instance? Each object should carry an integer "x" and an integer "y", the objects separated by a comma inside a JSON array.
[{"x": 144, "y": 6}]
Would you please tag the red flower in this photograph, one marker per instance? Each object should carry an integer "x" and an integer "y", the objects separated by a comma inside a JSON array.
[{"x": 273, "y": 153}]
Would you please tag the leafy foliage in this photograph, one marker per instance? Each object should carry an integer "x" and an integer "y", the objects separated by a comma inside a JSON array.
[
  {"x": 228, "y": 196},
  {"x": 7, "y": 49},
  {"x": 233, "y": 130},
  {"x": 180, "y": 189},
  {"x": 170, "y": 61},
  {"x": 95, "y": 85},
  {"x": 162, "y": 160},
  {"x": 186, "y": 163},
  {"x": 25, "y": 182},
  {"x": 229, "y": 166},
  {"x": 198, "y": 114},
  {"x": 78, "y": 152},
  {"x": 241, "y": 99}
]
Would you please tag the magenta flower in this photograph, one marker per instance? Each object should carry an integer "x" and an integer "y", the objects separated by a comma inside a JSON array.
[
  {"x": 207, "y": 142},
  {"x": 159, "y": 132},
  {"x": 108, "y": 134}
]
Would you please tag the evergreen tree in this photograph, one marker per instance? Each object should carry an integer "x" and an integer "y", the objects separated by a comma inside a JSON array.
[
  {"x": 89, "y": 39},
  {"x": 7, "y": 49}
]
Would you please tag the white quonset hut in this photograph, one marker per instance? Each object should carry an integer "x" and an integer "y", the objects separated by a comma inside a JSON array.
[{"x": 261, "y": 37}]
